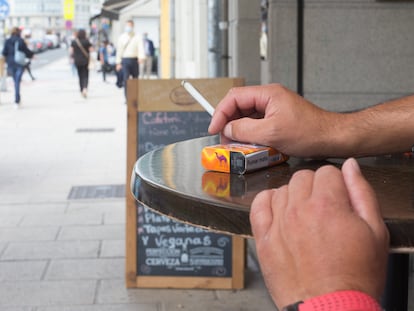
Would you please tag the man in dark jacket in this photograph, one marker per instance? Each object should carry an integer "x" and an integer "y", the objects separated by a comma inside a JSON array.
[{"x": 14, "y": 69}]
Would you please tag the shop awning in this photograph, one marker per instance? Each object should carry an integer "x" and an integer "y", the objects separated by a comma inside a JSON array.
[{"x": 111, "y": 8}]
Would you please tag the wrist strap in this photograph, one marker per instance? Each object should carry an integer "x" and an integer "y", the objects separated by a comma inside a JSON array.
[
  {"x": 341, "y": 301},
  {"x": 292, "y": 307}
]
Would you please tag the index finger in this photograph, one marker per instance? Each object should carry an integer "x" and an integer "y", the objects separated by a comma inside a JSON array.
[{"x": 239, "y": 102}]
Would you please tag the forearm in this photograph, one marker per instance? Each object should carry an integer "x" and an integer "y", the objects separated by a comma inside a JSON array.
[{"x": 381, "y": 129}]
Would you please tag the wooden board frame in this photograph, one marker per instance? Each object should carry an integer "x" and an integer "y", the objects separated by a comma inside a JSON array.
[{"x": 158, "y": 95}]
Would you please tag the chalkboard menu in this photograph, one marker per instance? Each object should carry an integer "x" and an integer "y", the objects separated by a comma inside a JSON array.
[
  {"x": 157, "y": 129},
  {"x": 167, "y": 247},
  {"x": 162, "y": 252}
]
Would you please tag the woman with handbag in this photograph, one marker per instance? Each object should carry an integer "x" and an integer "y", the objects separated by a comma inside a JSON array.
[
  {"x": 16, "y": 53},
  {"x": 79, "y": 51}
]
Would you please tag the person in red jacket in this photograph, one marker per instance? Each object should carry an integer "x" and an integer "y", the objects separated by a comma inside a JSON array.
[{"x": 321, "y": 240}]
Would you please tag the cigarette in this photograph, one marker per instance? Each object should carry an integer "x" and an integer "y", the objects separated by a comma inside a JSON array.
[{"x": 198, "y": 97}]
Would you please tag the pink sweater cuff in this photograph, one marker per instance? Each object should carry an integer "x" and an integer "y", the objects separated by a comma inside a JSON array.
[{"x": 348, "y": 300}]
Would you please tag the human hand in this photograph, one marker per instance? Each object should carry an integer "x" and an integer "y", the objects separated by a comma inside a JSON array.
[
  {"x": 321, "y": 233},
  {"x": 274, "y": 116},
  {"x": 118, "y": 67}
]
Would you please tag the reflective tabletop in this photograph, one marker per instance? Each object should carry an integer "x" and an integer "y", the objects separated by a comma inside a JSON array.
[{"x": 171, "y": 181}]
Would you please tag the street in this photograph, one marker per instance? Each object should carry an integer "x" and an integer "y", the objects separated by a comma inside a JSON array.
[{"x": 48, "y": 56}]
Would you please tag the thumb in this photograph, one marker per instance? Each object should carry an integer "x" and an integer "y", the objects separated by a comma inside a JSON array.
[
  {"x": 362, "y": 196},
  {"x": 246, "y": 130},
  {"x": 261, "y": 214}
]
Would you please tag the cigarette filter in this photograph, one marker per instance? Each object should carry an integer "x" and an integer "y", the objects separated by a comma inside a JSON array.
[{"x": 239, "y": 158}]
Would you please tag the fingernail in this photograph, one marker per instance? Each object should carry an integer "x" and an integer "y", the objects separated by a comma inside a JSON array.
[
  {"x": 227, "y": 131},
  {"x": 354, "y": 165}
]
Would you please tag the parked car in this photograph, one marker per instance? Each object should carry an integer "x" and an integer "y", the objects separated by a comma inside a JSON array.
[
  {"x": 37, "y": 45},
  {"x": 53, "y": 41},
  {"x": 48, "y": 43}
]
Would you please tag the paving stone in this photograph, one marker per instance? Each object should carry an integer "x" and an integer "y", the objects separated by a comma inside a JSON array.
[
  {"x": 3, "y": 246},
  {"x": 18, "y": 309},
  {"x": 114, "y": 218},
  {"x": 63, "y": 219},
  {"x": 122, "y": 307},
  {"x": 28, "y": 234},
  {"x": 99, "y": 232},
  {"x": 10, "y": 220},
  {"x": 114, "y": 248},
  {"x": 21, "y": 270},
  {"x": 48, "y": 293},
  {"x": 35, "y": 208},
  {"x": 255, "y": 294},
  {"x": 97, "y": 206},
  {"x": 53, "y": 249},
  {"x": 114, "y": 291},
  {"x": 233, "y": 305},
  {"x": 82, "y": 269}
]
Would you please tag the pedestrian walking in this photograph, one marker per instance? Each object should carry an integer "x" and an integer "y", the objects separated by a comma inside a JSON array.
[
  {"x": 104, "y": 54},
  {"x": 16, "y": 52},
  {"x": 80, "y": 52},
  {"x": 146, "y": 64},
  {"x": 129, "y": 52}
]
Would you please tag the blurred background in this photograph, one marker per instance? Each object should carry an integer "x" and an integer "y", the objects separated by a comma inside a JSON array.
[{"x": 344, "y": 55}]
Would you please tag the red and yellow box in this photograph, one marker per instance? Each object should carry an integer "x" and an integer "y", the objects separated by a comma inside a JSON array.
[{"x": 239, "y": 158}]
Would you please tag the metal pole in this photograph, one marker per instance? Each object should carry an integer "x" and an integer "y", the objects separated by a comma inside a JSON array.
[
  {"x": 224, "y": 21},
  {"x": 396, "y": 289},
  {"x": 212, "y": 38},
  {"x": 217, "y": 38}
]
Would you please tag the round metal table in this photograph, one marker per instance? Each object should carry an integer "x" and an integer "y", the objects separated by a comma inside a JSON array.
[{"x": 171, "y": 181}]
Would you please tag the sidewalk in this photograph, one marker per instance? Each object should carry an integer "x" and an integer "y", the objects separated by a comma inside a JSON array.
[{"x": 67, "y": 254}]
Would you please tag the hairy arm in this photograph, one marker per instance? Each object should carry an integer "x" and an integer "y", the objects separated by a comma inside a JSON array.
[
  {"x": 381, "y": 129},
  {"x": 273, "y": 115}
]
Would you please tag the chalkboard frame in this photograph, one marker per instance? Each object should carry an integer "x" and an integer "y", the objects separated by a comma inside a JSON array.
[{"x": 143, "y": 92}]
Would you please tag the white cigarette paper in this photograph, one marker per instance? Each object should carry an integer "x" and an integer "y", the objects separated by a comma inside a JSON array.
[{"x": 198, "y": 97}]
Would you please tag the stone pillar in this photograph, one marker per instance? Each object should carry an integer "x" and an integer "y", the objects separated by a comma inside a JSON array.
[
  {"x": 282, "y": 41},
  {"x": 244, "y": 35}
]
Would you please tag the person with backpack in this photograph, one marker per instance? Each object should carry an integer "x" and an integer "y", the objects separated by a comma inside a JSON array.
[{"x": 16, "y": 54}]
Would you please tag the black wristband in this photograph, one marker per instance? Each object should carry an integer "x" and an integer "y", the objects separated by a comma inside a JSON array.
[{"x": 292, "y": 307}]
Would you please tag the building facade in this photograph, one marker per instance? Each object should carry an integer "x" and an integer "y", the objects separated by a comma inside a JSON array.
[
  {"x": 35, "y": 14},
  {"x": 41, "y": 16}
]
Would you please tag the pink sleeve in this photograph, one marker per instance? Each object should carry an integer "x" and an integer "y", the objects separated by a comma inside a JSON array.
[{"x": 341, "y": 301}]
